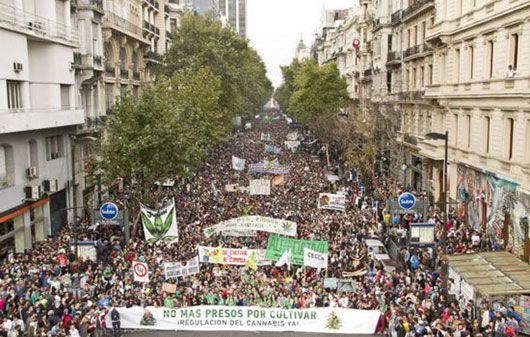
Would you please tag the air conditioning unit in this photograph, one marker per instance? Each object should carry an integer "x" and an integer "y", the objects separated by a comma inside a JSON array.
[
  {"x": 50, "y": 185},
  {"x": 17, "y": 67},
  {"x": 31, "y": 172},
  {"x": 33, "y": 192}
]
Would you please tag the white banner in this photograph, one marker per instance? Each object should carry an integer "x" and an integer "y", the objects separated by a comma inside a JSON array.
[
  {"x": 315, "y": 259},
  {"x": 140, "y": 272},
  {"x": 238, "y": 164},
  {"x": 176, "y": 269},
  {"x": 232, "y": 187},
  {"x": 332, "y": 177},
  {"x": 160, "y": 225},
  {"x": 253, "y": 223},
  {"x": 292, "y": 144},
  {"x": 266, "y": 137},
  {"x": 226, "y": 318},
  {"x": 335, "y": 202},
  {"x": 260, "y": 187},
  {"x": 293, "y": 135},
  {"x": 240, "y": 257}
]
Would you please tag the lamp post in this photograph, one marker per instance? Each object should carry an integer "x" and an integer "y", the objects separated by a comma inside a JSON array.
[{"x": 445, "y": 137}]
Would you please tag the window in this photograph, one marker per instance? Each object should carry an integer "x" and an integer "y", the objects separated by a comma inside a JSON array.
[
  {"x": 408, "y": 79},
  {"x": 65, "y": 96},
  {"x": 414, "y": 78},
  {"x": 7, "y": 166},
  {"x": 423, "y": 30},
  {"x": 33, "y": 153},
  {"x": 509, "y": 137},
  {"x": 54, "y": 147},
  {"x": 389, "y": 82},
  {"x": 468, "y": 131},
  {"x": 457, "y": 65},
  {"x": 172, "y": 25},
  {"x": 14, "y": 95},
  {"x": 528, "y": 140},
  {"x": 7, "y": 227},
  {"x": 422, "y": 76},
  {"x": 489, "y": 55},
  {"x": 514, "y": 49},
  {"x": 443, "y": 66},
  {"x": 389, "y": 42},
  {"x": 487, "y": 128},
  {"x": 415, "y": 35},
  {"x": 470, "y": 62},
  {"x": 455, "y": 131},
  {"x": 429, "y": 75}
]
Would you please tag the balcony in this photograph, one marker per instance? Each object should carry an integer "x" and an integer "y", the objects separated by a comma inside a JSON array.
[
  {"x": 416, "y": 8},
  {"x": 124, "y": 73},
  {"x": 77, "y": 63},
  {"x": 111, "y": 20},
  {"x": 411, "y": 95},
  {"x": 21, "y": 120},
  {"x": 110, "y": 70},
  {"x": 151, "y": 56},
  {"x": 411, "y": 51},
  {"x": 37, "y": 27},
  {"x": 393, "y": 57},
  {"x": 136, "y": 75},
  {"x": 396, "y": 18},
  {"x": 492, "y": 88},
  {"x": 97, "y": 61},
  {"x": 95, "y": 5},
  {"x": 153, "y": 3}
]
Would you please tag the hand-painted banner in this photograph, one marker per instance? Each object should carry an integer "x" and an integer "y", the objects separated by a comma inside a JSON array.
[
  {"x": 240, "y": 257},
  {"x": 277, "y": 245},
  {"x": 272, "y": 149},
  {"x": 253, "y": 223},
  {"x": 238, "y": 164},
  {"x": 232, "y": 187},
  {"x": 268, "y": 167},
  {"x": 293, "y": 135},
  {"x": 266, "y": 137},
  {"x": 226, "y": 318},
  {"x": 336, "y": 202},
  {"x": 315, "y": 259},
  {"x": 292, "y": 144},
  {"x": 332, "y": 177},
  {"x": 176, "y": 269},
  {"x": 160, "y": 224},
  {"x": 260, "y": 187}
]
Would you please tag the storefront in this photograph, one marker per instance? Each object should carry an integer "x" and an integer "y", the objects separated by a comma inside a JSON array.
[
  {"x": 58, "y": 211},
  {"x": 492, "y": 279}
]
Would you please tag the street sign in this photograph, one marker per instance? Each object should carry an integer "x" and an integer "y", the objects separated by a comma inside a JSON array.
[
  {"x": 421, "y": 234},
  {"x": 407, "y": 200},
  {"x": 108, "y": 211}
]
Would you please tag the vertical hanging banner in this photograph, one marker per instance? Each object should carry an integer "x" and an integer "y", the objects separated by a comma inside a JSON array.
[
  {"x": 140, "y": 272},
  {"x": 260, "y": 187},
  {"x": 160, "y": 225},
  {"x": 238, "y": 164},
  {"x": 176, "y": 269}
]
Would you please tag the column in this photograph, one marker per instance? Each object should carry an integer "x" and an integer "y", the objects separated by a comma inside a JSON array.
[
  {"x": 27, "y": 230},
  {"x": 40, "y": 233},
  {"x": 20, "y": 240}
]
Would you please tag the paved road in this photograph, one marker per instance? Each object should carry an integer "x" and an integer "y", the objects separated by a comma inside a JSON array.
[{"x": 237, "y": 334}]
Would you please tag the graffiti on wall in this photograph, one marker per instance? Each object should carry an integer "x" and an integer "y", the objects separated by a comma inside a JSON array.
[
  {"x": 484, "y": 201},
  {"x": 520, "y": 216}
]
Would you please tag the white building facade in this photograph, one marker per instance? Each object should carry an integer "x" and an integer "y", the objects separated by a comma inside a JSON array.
[{"x": 38, "y": 114}]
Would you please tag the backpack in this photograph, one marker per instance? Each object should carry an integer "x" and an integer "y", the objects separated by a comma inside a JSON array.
[{"x": 115, "y": 315}]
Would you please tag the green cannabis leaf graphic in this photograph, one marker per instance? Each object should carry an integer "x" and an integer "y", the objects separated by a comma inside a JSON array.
[
  {"x": 333, "y": 321},
  {"x": 286, "y": 226},
  {"x": 159, "y": 228}
]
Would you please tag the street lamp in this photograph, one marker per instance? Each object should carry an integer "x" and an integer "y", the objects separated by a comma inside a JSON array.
[{"x": 445, "y": 137}]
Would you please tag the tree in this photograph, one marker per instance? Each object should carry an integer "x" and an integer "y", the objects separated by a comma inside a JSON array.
[
  {"x": 203, "y": 41},
  {"x": 283, "y": 93}
]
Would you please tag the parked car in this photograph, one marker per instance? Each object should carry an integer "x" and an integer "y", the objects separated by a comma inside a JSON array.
[{"x": 377, "y": 250}]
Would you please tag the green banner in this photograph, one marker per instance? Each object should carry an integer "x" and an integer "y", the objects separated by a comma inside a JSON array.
[{"x": 277, "y": 245}]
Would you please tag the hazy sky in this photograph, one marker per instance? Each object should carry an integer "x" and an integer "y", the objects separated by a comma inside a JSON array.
[{"x": 275, "y": 27}]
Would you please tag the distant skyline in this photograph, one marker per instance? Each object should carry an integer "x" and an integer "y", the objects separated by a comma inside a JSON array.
[{"x": 275, "y": 28}]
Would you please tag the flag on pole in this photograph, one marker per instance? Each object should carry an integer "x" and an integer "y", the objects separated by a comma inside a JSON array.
[
  {"x": 285, "y": 259},
  {"x": 140, "y": 271}
]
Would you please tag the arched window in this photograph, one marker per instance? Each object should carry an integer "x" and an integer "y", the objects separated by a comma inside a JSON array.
[{"x": 7, "y": 166}]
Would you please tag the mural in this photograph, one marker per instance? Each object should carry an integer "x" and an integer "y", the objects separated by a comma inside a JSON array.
[
  {"x": 484, "y": 200},
  {"x": 520, "y": 216}
]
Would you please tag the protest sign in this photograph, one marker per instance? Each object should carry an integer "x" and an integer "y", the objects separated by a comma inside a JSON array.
[
  {"x": 277, "y": 245},
  {"x": 140, "y": 272},
  {"x": 248, "y": 126},
  {"x": 266, "y": 137},
  {"x": 330, "y": 283},
  {"x": 272, "y": 149},
  {"x": 278, "y": 180},
  {"x": 176, "y": 269},
  {"x": 315, "y": 259},
  {"x": 169, "y": 288},
  {"x": 229, "y": 318},
  {"x": 238, "y": 164},
  {"x": 332, "y": 178},
  {"x": 85, "y": 249},
  {"x": 231, "y": 256},
  {"x": 268, "y": 167},
  {"x": 232, "y": 187},
  {"x": 335, "y": 202},
  {"x": 253, "y": 223},
  {"x": 293, "y": 135},
  {"x": 346, "y": 285},
  {"x": 160, "y": 225},
  {"x": 260, "y": 187},
  {"x": 292, "y": 144}
]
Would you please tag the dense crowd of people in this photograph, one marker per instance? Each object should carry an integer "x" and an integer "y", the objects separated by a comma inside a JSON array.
[{"x": 48, "y": 292}]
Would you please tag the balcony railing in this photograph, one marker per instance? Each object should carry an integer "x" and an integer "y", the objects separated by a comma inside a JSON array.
[
  {"x": 415, "y": 7},
  {"x": 136, "y": 75},
  {"x": 426, "y": 48},
  {"x": 152, "y": 56},
  {"x": 77, "y": 60},
  {"x": 16, "y": 19},
  {"x": 151, "y": 28},
  {"x": 120, "y": 22},
  {"x": 124, "y": 72},
  {"x": 367, "y": 72},
  {"x": 98, "y": 61},
  {"x": 411, "y": 95},
  {"x": 154, "y": 3},
  {"x": 96, "y": 5},
  {"x": 393, "y": 56},
  {"x": 411, "y": 51},
  {"x": 110, "y": 70},
  {"x": 396, "y": 18}
]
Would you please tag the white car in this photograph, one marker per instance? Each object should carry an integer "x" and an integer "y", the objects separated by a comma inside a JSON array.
[{"x": 377, "y": 250}]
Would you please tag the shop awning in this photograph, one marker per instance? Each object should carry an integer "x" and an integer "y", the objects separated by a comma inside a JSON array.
[{"x": 493, "y": 273}]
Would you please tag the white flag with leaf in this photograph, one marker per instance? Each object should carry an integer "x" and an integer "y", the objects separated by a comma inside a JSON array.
[{"x": 160, "y": 225}]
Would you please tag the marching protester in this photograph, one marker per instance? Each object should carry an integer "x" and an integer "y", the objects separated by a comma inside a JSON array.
[{"x": 46, "y": 293}]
